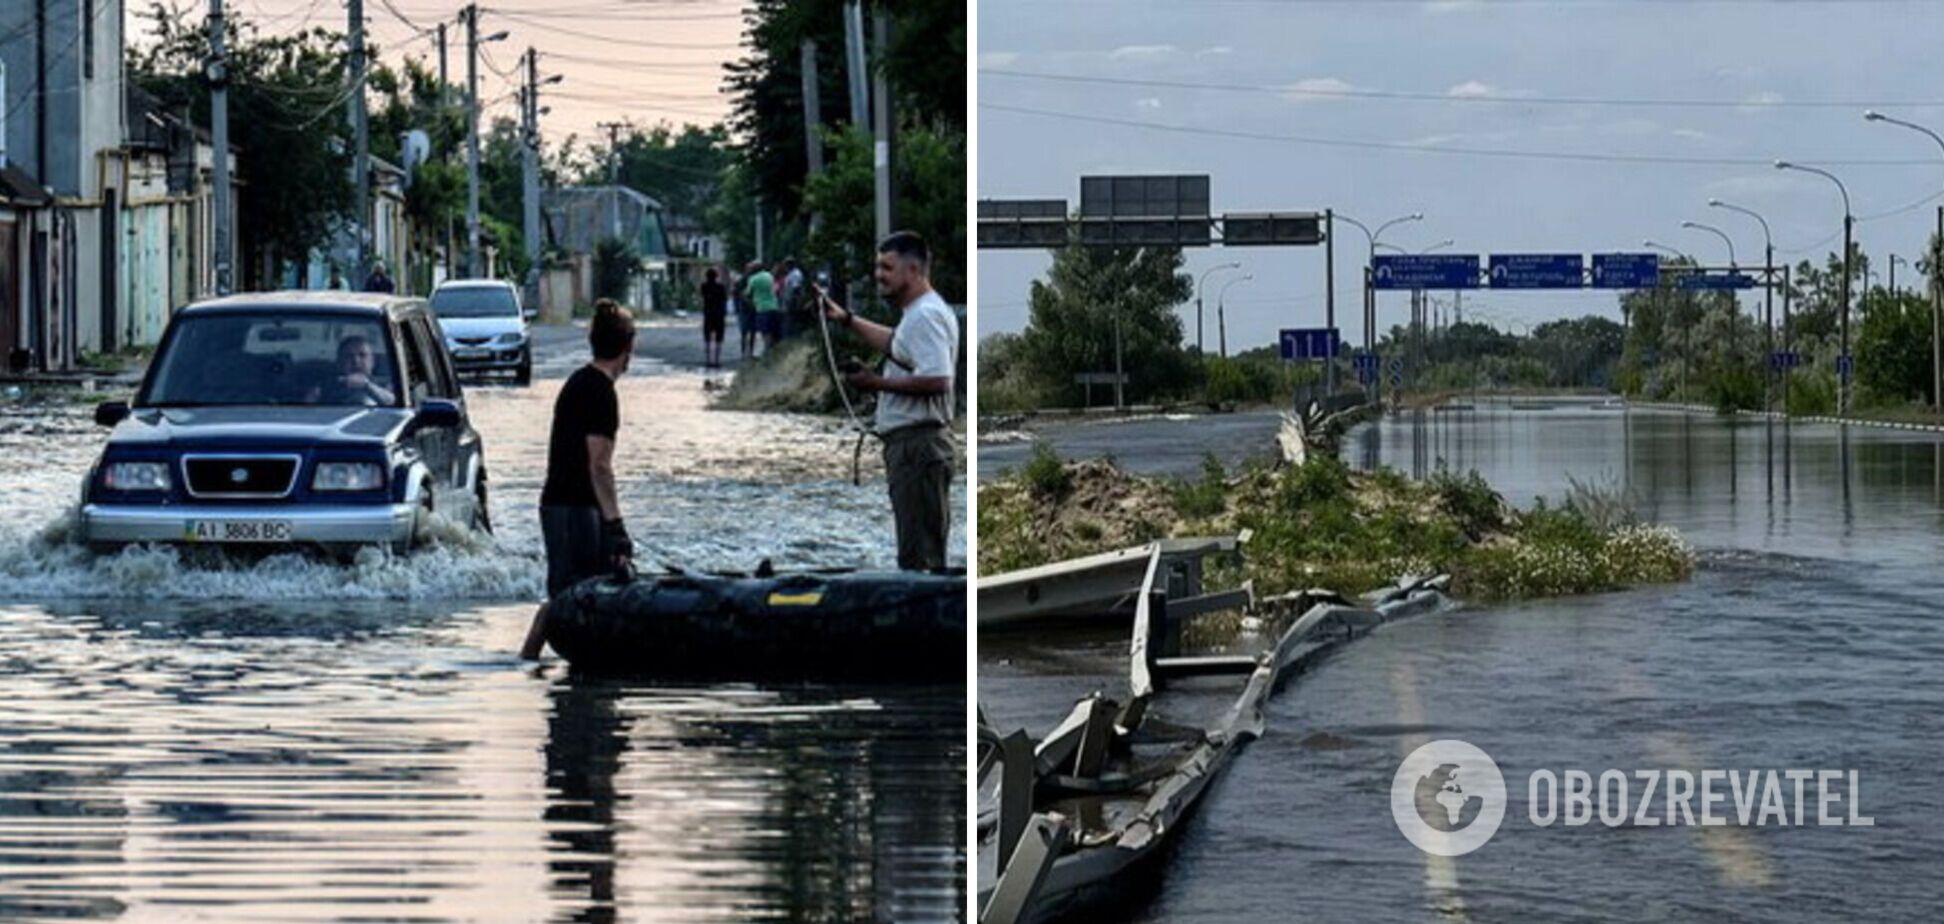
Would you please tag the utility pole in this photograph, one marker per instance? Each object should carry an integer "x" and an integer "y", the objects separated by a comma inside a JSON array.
[
  {"x": 530, "y": 176},
  {"x": 471, "y": 13},
  {"x": 812, "y": 109},
  {"x": 881, "y": 116},
  {"x": 760, "y": 258},
  {"x": 613, "y": 130},
  {"x": 442, "y": 62},
  {"x": 361, "y": 150},
  {"x": 218, "y": 72},
  {"x": 1848, "y": 367},
  {"x": 860, "y": 97},
  {"x": 1937, "y": 309},
  {"x": 1329, "y": 297}
]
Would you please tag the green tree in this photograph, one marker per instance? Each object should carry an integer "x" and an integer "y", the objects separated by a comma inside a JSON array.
[
  {"x": 287, "y": 122},
  {"x": 1072, "y": 320},
  {"x": 1893, "y": 348},
  {"x": 929, "y": 185}
]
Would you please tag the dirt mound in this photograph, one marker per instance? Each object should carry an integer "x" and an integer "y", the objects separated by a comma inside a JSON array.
[{"x": 793, "y": 377}]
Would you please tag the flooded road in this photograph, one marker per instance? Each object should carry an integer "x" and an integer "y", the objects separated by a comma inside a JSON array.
[
  {"x": 295, "y": 739},
  {"x": 1808, "y": 639}
]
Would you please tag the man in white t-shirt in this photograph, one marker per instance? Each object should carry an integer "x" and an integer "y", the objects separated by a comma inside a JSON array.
[{"x": 915, "y": 396}]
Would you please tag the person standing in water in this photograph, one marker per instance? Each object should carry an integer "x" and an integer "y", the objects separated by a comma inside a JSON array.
[
  {"x": 916, "y": 394},
  {"x": 580, "y": 512},
  {"x": 715, "y": 318}
]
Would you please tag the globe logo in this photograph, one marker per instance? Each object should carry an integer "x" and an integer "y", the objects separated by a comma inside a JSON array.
[{"x": 1448, "y": 798}]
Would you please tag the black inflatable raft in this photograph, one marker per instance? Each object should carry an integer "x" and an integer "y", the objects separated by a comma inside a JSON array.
[{"x": 812, "y": 625}]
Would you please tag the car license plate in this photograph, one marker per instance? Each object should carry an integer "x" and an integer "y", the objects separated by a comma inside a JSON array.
[
  {"x": 236, "y": 530},
  {"x": 472, "y": 354}
]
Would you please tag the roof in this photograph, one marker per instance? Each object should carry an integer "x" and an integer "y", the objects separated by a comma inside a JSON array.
[
  {"x": 476, "y": 284},
  {"x": 18, "y": 187},
  {"x": 372, "y": 303}
]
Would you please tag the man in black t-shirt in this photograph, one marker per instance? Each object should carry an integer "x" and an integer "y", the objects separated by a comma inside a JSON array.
[
  {"x": 715, "y": 318},
  {"x": 580, "y": 513}
]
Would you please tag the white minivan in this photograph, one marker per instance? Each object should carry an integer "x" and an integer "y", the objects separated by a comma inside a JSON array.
[{"x": 485, "y": 328}]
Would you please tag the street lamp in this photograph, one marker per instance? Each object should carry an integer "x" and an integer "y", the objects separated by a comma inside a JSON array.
[
  {"x": 1849, "y": 226},
  {"x": 1768, "y": 286},
  {"x": 1937, "y": 257},
  {"x": 1894, "y": 260},
  {"x": 1697, "y": 226},
  {"x": 1221, "y": 316},
  {"x": 1679, "y": 255},
  {"x": 1198, "y": 302},
  {"x": 1370, "y": 294}
]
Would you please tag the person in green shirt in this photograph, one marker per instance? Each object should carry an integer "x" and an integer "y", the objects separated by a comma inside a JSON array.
[{"x": 760, "y": 288}]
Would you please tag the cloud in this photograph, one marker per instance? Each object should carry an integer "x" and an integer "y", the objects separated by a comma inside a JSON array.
[
  {"x": 1149, "y": 102},
  {"x": 1631, "y": 127},
  {"x": 1312, "y": 87},
  {"x": 1761, "y": 101},
  {"x": 1141, "y": 52},
  {"x": 1471, "y": 89},
  {"x": 1692, "y": 134},
  {"x": 998, "y": 58},
  {"x": 1216, "y": 50},
  {"x": 1753, "y": 185},
  {"x": 1452, "y": 6}
]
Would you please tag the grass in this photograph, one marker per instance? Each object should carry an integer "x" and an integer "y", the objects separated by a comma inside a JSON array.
[{"x": 1322, "y": 525}]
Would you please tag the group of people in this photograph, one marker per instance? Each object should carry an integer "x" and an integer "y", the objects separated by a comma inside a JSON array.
[
  {"x": 580, "y": 512},
  {"x": 378, "y": 281},
  {"x": 763, "y": 300}
]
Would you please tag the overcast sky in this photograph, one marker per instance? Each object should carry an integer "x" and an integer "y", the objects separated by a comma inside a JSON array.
[
  {"x": 1582, "y": 78},
  {"x": 621, "y": 60}
]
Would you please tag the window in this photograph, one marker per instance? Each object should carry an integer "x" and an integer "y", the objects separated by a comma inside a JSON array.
[
  {"x": 415, "y": 365},
  {"x": 87, "y": 36},
  {"x": 271, "y": 357}
]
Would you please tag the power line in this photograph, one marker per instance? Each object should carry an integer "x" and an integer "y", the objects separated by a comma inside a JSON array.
[
  {"x": 1661, "y": 159},
  {"x": 1355, "y": 93},
  {"x": 630, "y": 42}
]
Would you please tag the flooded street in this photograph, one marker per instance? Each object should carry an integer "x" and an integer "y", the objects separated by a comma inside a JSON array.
[
  {"x": 296, "y": 739},
  {"x": 1809, "y": 638}
]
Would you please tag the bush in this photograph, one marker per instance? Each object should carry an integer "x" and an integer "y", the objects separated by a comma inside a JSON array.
[
  {"x": 1045, "y": 475},
  {"x": 1469, "y": 500},
  {"x": 1205, "y": 498},
  {"x": 1812, "y": 393}
]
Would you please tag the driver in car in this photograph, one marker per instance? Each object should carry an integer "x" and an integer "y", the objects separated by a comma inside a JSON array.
[{"x": 353, "y": 384}]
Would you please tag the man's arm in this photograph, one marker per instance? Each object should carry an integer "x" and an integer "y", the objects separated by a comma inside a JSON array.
[
  {"x": 600, "y": 465},
  {"x": 917, "y": 386},
  {"x": 875, "y": 335}
]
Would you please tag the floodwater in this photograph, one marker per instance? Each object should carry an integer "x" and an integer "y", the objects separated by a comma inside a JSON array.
[
  {"x": 295, "y": 739},
  {"x": 1810, "y": 638}
]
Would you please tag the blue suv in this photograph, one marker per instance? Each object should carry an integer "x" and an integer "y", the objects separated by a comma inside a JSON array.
[{"x": 290, "y": 418}]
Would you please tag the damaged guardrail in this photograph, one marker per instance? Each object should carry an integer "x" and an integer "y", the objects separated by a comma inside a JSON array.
[{"x": 1104, "y": 790}]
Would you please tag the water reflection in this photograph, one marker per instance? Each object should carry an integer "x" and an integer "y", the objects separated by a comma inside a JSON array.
[
  {"x": 1823, "y": 486},
  {"x": 843, "y": 803}
]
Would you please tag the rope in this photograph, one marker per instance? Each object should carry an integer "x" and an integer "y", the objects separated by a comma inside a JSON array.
[{"x": 837, "y": 380}]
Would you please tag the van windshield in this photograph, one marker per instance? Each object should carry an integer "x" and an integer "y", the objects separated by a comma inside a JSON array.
[
  {"x": 476, "y": 302},
  {"x": 273, "y": 357}
]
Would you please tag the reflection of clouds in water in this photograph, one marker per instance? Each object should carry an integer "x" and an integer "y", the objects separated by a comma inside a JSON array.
[{"x": 701, "y": 489}]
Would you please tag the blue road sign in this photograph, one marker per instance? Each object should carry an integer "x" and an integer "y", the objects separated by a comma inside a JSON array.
[
  {"x": 1784, "y": 360},
  {"x": 1711, "y": 281},
  {"x": 1366, "y": 375},
  {"x": 1626, "y": 270},
  {"x": 1537, "y": 271},
  {"x": 1845, "y": 365},
  {"x": 1424, "y": 271},
  {"x": 1366, "y": 362},
  {"x": 1309, "y": 343}
]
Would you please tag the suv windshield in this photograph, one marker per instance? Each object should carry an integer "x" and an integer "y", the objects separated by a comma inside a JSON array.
[
  {"x": 475, "y": 302},
  {"x": 274, "y": 357}
]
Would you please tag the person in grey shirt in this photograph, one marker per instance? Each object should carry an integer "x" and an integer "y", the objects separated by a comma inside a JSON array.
[{"x": 915, "y": 395}]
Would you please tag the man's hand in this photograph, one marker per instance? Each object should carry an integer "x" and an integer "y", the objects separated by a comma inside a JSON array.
[
  {"x": 831, "y": 309},
  {"x": 864, "y": 380},
  {"x": 354, "y": 381},
  {"x": 616, "y": 546}
]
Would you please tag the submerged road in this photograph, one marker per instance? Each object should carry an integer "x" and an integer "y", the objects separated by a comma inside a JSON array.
[
  {"x": 1807, "y": 640},
  {"x": 296, "y": 739}
]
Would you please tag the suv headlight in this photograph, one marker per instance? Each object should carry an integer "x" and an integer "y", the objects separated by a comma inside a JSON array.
[
  {"x": 137, "y": 476},
  {"x": 348, "y": 476},
  {"x": 510, "y": 338}
]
